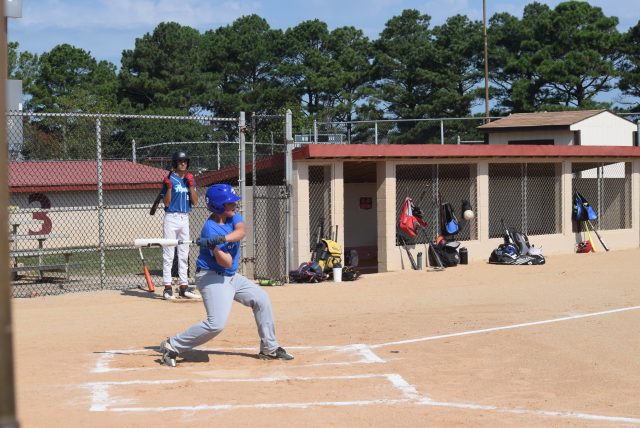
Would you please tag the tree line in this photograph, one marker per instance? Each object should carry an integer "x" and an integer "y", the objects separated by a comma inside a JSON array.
[{"x": 550, "y": 59}]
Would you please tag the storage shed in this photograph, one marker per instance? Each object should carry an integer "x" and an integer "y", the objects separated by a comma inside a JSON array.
[{"x": 562, "y": 128}]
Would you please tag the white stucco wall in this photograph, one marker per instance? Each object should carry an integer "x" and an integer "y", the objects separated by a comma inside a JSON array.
[
  {"x": 605, "y": 129},
  {"x": 561, "y": 138}
]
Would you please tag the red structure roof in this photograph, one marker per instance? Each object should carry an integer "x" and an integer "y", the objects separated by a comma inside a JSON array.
[
  {"x": 65, "y": 176},
  {"x": 442, "y": 151}
]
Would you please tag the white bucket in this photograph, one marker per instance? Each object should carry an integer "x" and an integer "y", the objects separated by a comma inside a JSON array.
[{"x": 337, "y": 274}]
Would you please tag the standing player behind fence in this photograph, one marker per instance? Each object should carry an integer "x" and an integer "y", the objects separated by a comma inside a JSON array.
[
  {"x": 220, "y": 285},
  {"x": 180, "y": 195}
]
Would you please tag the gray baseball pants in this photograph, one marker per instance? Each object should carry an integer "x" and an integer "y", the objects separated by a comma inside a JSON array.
[{"x": 218, "y": 293}]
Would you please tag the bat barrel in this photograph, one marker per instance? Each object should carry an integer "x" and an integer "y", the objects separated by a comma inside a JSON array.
[{"x": 161, "y": 242}]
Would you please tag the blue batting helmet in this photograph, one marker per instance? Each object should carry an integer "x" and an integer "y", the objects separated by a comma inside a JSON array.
[{"x": 218, "y": 195}]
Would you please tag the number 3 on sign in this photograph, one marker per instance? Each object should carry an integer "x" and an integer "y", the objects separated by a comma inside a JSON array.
[{"x": 45, "y": 204}]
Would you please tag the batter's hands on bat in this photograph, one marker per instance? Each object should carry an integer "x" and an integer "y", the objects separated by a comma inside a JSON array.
[
  {"x": 212, "y": 242},
  {"x": 188, "y": 178}
]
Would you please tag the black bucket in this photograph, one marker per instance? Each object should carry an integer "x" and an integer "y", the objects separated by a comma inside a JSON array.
[{"x": 464, "y": 256}]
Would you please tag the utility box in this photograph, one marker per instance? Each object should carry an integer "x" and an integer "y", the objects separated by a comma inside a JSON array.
[
  {"x": 13, "y": 103},
  {"x": 13, "y": 8}
]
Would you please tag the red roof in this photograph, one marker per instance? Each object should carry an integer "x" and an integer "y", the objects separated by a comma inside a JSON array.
[
  {"x": 65, "y": 176},
  {"x": 273, "y": 162},
  {"x": 363, "y": 151}
]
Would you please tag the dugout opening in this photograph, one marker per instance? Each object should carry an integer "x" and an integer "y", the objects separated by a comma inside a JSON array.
[{"x": 360, "y": 213}]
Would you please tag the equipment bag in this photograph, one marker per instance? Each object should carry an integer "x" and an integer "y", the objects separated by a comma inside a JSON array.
[
  {"x": 307, "y": 272},
  {"x": 582, "y": 210},
  {"x": 329, "y": 254},
  {"x": 410, "y": 218},
  {"x": 507, "y": 254},
  {"x": 448, "y": 218},
  {"x": 448, "y": 253}
]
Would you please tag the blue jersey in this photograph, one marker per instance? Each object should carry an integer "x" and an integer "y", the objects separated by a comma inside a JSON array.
[
  {"x": 180, "y": 202},
  {"x": 206, "y": 259}
]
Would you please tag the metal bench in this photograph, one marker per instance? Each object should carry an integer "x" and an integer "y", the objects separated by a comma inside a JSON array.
[
  {"x": 62, "y": 267},
  {"x": 41, "y": 265}
]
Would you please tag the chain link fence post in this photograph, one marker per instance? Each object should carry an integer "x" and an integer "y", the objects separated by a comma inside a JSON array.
[{"x": 101, "y": 240}]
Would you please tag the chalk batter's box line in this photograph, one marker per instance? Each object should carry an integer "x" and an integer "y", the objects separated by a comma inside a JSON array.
[
  {"x": 361, "y": 354},
  {"x": 366, "y": 352},
  {"x": 101, "y": 401}
]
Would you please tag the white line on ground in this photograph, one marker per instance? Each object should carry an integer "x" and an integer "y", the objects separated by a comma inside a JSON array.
[
  {"x": 544, "y": 413},
  {"x": 101, "y": 401},
  {"x": 506, "y": 327}
]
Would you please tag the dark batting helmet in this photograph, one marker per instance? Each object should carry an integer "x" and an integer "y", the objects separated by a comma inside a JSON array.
[
  {"x": 218, "y": 195},
  {"x": 179, "y": 156}
]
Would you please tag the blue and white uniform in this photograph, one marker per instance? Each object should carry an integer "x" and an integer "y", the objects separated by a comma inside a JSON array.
[
  {"x": 219, "y": 287},
  {"x": 176, "y": 226}
]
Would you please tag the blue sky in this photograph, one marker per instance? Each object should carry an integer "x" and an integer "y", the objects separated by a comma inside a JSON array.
[{"x": 107, "y": 27}]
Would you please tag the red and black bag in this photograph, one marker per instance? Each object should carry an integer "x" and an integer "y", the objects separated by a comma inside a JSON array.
[{"x": 410, "y": 219}]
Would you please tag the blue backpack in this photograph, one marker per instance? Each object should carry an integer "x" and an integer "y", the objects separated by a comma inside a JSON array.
[
  {"x": 582, "y": 210},
  {"x": 449, "y": 221}
]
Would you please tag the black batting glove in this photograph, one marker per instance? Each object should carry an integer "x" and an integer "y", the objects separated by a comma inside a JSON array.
[{"x": 212, "y": 242}]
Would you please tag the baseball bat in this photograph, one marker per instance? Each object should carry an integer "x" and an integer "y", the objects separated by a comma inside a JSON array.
[
  {"x": 403, "y": 242},
  {"x": 147, "y": 276},
  {"x": 599, "y": 237},
  {"x": 436, "y": 257},
  {"x": 162, "y": 242},
  {"x": 154, "y": 207},
  {"x": 586, "y": 226}
]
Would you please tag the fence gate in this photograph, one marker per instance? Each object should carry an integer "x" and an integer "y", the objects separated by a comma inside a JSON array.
[{"x": 270, "y": 198}]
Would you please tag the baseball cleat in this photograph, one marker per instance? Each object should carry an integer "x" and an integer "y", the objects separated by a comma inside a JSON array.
[
  {"x": 189, "y": 293},
  {"x": 167, "y": 294},
  {"x": 278, "y": 354},
  {"x": 169, "y": 354}
]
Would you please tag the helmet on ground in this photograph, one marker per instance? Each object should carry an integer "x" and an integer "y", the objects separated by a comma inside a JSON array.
[
  {"x": 218, "y": 195},
  {"x": 179, "y": 156}
]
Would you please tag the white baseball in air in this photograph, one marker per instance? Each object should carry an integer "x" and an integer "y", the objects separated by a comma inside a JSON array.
[{"x": 468, "y": 215}]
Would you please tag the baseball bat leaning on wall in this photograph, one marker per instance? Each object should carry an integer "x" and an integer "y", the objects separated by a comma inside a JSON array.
[
  {"x": 598, "y": 235},
  {"x": 437, "y": 259},
  {"x": 147, "y": 276}
]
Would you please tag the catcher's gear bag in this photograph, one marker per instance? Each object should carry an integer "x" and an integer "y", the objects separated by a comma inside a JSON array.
[
  {"x": 329, "y": 254},
  {"x": 507, "y": 254},
  {"x": 307, "y": 272}
]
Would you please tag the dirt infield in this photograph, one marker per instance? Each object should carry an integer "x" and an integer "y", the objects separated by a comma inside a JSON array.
[{"x": 475, "y": 345}]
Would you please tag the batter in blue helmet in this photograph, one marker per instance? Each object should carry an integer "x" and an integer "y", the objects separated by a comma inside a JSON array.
[{"x": 220, "y": 284}]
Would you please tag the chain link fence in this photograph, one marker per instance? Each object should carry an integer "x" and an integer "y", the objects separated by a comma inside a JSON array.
[
  {"x": 525, "y": 197},
  {"x": 449, "y": 130},
  {"x": 430, "y": 186},
  {"x": 269, "y": 195},
  {"x": 320, "y": 221},
  {"x": 607, "y": 187},
  {"x": 81, "y": 187}
]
